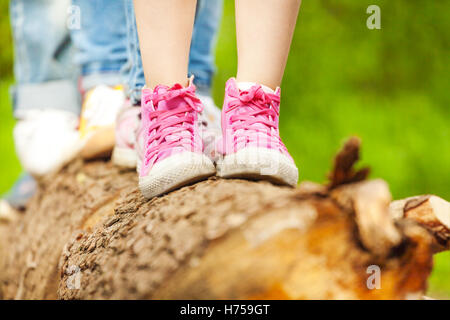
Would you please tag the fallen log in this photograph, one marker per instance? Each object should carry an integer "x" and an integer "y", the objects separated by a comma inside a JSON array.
[{"x": 89, "y": 234}]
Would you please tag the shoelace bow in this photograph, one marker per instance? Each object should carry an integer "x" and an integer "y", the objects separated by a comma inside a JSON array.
[
  {"x": 172, "y": 127},
  {"x": 259, "y": 116}
]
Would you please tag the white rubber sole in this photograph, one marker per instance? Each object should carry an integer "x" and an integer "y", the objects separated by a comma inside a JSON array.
[
  {"x": 124, "y": 157},
  {"x": 259, "y": 163},
  {"x": 174, "y": 172}
]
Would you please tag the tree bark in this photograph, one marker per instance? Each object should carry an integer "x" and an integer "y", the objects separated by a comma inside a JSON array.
[{"x": 89, "y": 234}]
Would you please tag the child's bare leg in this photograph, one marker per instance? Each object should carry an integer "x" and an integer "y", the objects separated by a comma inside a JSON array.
[
  {"x": 264, "y": 31},
  {"x": 165, "y": 31}
]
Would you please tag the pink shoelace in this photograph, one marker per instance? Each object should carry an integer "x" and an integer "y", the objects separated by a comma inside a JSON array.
[
  {"x": 172, "y": 120},
  {"x": 255, "y": 117}
]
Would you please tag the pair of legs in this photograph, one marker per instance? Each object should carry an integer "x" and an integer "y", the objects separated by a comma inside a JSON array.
[
  {"x": 264, "y": 33},
  {"x": 172, "y": 152},
  {"x": 200, "y": 57}
]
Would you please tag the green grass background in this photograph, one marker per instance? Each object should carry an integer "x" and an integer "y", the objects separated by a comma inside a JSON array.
[{"x": 390, "y": 87}]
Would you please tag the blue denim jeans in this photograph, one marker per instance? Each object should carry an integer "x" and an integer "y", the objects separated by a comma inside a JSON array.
[
  {"x": 201, "y": 58},
  {"x": 101, "y": 42},
  {"x": 43, "y": 69}
]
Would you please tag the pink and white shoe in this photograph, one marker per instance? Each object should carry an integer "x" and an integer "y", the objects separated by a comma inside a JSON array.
[
  {"x": 251, "y": 145},
  {"x": 124, "y": 153},
  {"x": 128, "y": 119},
  {"x": 169, "y": 146}
]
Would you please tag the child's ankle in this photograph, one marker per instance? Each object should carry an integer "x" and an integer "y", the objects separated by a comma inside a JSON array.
[
  {"x": 246, "y": 85},
  {"x": 185, "y": 84}
]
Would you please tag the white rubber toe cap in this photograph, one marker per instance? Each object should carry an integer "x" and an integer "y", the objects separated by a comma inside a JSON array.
[
  {"x": 259, "y": 163},
  {"x": 174, "y": 172}
]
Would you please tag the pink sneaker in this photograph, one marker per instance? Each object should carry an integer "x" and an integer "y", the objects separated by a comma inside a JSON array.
[
  {"x": 251, "y": 143},
  {"x": 170, "y": 149},
  {"x": 124, "y": 153}
]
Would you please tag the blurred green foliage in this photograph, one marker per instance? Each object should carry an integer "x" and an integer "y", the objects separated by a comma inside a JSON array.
[
  {"x": 6, "y": 48},
  {"x": 9, "y": 166},
  {"x": 390, "y": 87}
]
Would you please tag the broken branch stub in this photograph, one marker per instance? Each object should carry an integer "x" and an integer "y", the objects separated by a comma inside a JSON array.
[
  {"x": 430, "y": 212},
  {"x": 343, "y": 170}
]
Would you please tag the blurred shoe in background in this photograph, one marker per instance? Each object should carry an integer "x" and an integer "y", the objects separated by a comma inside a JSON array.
[
  {"x": 97, "y": 122},
  {"x": 46, "y": 140},
  {"x": 17, "y": 197},
  {"x": 21, "y": 192},
  {"x": 124, "y": 154}
]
